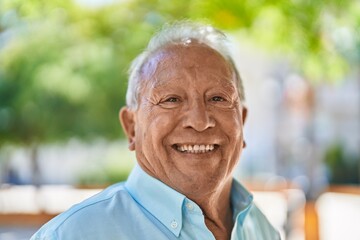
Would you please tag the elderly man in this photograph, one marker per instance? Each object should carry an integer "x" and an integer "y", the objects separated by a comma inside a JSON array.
[{"x": 184, "y": 119}]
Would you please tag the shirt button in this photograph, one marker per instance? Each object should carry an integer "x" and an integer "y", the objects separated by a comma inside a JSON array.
[
  {"x": 174, "y": 224},
  {"x": 190, "y": 206}
]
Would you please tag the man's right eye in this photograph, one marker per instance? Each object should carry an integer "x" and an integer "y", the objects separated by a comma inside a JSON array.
[{"x": 170, "y": 102}]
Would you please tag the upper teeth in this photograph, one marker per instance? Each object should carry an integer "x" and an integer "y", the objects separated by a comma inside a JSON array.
[{"x": 195, "y": 148}]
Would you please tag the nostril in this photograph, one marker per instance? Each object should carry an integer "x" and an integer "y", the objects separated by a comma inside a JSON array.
[
  {"x": 197, "y": 115},
  {"x": 199, "y": 122}
]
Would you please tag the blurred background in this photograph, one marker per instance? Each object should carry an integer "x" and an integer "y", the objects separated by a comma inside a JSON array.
[{"x": 63, "y": 77}]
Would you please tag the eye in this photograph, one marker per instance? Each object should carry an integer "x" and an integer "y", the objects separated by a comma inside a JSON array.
[
  {"x": 217, "y": 99},
  {"x": 221, "y": 101},
  {"x": 172, "y": 100}
]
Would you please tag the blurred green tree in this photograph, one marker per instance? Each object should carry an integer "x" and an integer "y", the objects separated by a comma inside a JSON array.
[
  {"x": 343, "y": 167},
  {"x": 320, "y": 38},
  {"x": 63, "y": 71}
]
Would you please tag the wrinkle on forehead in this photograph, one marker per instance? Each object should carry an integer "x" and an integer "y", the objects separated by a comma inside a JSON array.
[{"x": 156, "y": 70}]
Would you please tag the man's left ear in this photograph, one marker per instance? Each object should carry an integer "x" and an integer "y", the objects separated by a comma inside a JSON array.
[
  {"x": 127, "y": 120},
  {"x": 244, "y": 116}
]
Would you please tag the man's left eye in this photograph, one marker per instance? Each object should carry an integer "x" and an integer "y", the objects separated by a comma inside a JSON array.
[
  {"x": 217, "y": 99},
  {"x": 172, "y": 99}
]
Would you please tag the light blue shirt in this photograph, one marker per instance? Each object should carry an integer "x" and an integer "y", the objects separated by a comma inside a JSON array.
[{"x": 145, "y": 208}]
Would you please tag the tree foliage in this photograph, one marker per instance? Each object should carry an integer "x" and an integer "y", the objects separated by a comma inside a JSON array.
[{"x": 63, "y": 71}]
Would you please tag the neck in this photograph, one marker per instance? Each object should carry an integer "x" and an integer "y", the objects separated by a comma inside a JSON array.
[{"x": 217, "y": 210}]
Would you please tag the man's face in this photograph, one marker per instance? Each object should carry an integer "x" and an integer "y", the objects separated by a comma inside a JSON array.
[{"x": 188, "y": 128}]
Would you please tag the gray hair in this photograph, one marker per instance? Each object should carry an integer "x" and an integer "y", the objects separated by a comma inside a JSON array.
[{"x": 180, "y": 32}]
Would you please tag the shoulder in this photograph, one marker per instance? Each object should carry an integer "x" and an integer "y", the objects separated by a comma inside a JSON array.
[
  {"x": 265, "y": 228},
  {"x": 91, "y": 212}
]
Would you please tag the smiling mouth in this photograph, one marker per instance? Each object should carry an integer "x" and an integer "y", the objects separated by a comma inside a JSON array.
[{"x": 201, "y": 148}]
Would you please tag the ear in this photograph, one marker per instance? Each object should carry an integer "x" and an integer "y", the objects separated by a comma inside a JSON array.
[
  {"x": 244, "y": 116},
  {"x": 127, "y": 120}
]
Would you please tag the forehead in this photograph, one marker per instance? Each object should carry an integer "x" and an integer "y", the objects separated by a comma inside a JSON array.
[{"x": 174, "y": 61}]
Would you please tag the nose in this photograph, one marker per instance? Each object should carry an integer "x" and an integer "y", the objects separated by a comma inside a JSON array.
[{"x": 197, "y": 117}]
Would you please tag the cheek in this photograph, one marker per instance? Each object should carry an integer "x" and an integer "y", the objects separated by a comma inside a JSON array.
[
  {"x": 158, "y": 127},
  {"x": 231, "y": 124}
]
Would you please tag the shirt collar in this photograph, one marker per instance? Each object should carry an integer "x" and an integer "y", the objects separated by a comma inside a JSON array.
[
  {"x": 165, "y": 203},
  {"x": 241, "y": 200},
  {"x": 160, "y": 200}
]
